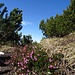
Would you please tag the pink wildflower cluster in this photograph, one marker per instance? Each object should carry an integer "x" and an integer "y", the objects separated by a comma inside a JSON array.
[
  {"x": 51, "y": 66},
  {"x": 21, "y": 58},
  {"x": 27, "y": 61}
]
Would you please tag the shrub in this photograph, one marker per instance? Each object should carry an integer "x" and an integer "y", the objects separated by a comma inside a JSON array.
[{"x": 27, "y": 61}]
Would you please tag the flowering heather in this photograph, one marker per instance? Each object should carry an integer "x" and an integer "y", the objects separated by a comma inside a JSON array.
[{"x": 31, "y": 62}]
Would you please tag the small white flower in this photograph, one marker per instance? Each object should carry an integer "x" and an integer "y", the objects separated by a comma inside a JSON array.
[{"x": 49, "y": 73}]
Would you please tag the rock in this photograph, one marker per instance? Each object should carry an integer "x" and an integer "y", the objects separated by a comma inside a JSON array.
[
  {"x": 1, "y": 53},
  {"x": 3, "y": 59},
  {"x": 5, "y": 69}
]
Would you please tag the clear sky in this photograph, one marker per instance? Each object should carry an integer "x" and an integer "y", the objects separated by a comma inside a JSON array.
[{"x": 34, "y": 11}]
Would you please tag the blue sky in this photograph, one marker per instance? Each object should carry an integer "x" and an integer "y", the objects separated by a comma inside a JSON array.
[{"x": 34, "y": 11}]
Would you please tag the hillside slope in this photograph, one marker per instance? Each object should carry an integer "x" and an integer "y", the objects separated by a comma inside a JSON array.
[{"x": 65, "y": 45}]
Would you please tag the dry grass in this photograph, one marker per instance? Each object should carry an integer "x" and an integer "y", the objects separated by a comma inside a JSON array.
[
  {"x": 6, "y": 48},
  {"x": 65, "y": 45}
]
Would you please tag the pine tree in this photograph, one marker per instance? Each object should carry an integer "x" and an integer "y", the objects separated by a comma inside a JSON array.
[
  {"x": 26, "y": 39},
  {"x": 60, "y": 25},
  {"x": 10, "y": 24}
]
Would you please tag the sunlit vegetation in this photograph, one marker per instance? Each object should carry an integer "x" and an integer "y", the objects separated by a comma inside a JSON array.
[
  {"x": 31, "y": 58},
  {"x": 60, "y": 25}
]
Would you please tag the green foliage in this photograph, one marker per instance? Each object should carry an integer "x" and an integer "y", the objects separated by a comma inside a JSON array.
[
  {"x": 29, "y": 61},
  {"x": 60, "y": 25},
  {"x": 10, "y": 24},
  {"x": 37, "y": 45},
  {"x": 26, "y": 39},
  {"x": 57, "y": 56}
]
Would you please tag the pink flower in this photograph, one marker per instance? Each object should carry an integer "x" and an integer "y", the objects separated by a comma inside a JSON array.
[
  {"x": 31, "y": 55},
  {"x": 25, "y": 66},
  {"x": 27, "y": 74},
  {"x": 28, "y": 71},
  {"x": 51, "y": 66},
  {"x": 26, "y": 60},
  {"x": 32, "y": 52},
  {"x": 35, "y": 58},
  {"x": 21, "y": 63},
  {"x": 50, "y": 60},
  {"x": 18, "y": 64},
  {"x": 22, "y": 68},
  {"x": 22, "y": 74},
  {"x": 25, "y": 47},
  {"x": 23, "y": 54}
]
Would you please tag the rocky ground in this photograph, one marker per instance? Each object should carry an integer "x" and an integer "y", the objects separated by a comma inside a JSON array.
[{"x": 6, "y": 69}]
